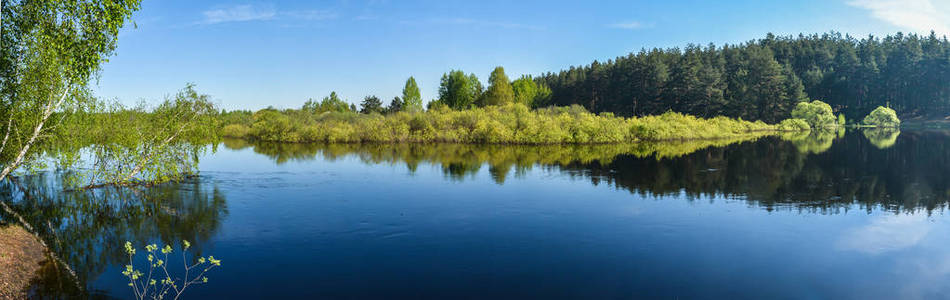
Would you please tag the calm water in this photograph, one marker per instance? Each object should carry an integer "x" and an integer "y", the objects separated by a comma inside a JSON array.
[{"x": 855, "y": 216}]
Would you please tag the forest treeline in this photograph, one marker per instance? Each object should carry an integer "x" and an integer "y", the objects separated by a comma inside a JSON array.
[
  {"x": 764, "y": 79},
  {"x": 871, "y": 81}
]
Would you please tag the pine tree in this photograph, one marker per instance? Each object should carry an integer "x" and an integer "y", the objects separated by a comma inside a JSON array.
[
  {"x": 394, "y": 106},
  {"x": 371, "y": 104}
]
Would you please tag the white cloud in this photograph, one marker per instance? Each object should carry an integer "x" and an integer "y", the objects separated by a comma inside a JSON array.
[
  {"x": 632, "y": 25},
  {"x": 246, "y": 12},
  {"x": 239, "y": 13},
  {"x": 920, "y": 16},
  {"x": 887, "y": 233}
]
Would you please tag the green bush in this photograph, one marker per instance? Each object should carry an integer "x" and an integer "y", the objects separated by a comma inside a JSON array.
[
  {"x": 818, "y": 114},
  {"x": 882, "y": 117},
  {"x": 794, "y": 125},
  {"x": 677, "y": 126},
  {"x": 271, "y": 125},
  {"x": 502, "y": 124},
  {"x": 235, "y": 131}
]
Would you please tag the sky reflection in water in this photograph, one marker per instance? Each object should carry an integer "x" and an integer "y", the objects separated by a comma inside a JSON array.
[{"x": 861, "y": 217}]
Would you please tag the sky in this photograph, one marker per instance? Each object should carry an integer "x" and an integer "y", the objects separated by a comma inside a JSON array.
[{"x": 255, "y": 54}]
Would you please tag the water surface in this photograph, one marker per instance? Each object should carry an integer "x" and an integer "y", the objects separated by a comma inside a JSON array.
[{"x": 860, "y": 215}]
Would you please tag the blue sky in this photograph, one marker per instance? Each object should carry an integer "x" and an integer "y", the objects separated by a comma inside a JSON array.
[{"x": 250, "y": 55}]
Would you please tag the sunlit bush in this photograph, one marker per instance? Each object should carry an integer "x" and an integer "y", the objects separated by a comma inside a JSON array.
[
  {"x": 505, "y": 124},
  {"x": 882, "y": 117},
  {"x": 794, "y": 125},
  {"x": 235, "y": 131},
  {"x": 818, "y": 114}
]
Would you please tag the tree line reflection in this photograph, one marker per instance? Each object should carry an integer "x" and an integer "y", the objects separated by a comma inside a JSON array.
[
  {"x": 827, "y": 172},
  {"x": 824, "y": 172}
]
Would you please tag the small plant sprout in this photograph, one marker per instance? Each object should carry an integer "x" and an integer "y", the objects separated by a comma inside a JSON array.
[{"x": 148, "y": 285}]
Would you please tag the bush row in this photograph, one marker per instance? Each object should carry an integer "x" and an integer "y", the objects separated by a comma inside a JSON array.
[{"x": 507, "y": 124}]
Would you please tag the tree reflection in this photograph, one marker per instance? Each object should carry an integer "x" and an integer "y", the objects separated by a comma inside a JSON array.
[
  {"x": 909, "y": 176},
  {"x": 461, "y": 160},
  {"x": 815, "y": 141},
  {"x": 87, "y": 229},
  {"x": 823, "y": 172},
  {"x": 882, "y": 138}
]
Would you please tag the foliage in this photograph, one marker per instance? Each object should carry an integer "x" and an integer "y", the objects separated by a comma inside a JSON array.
[
  {"x": 499, "y": 90},
  {"x": 841, "y": 120},
  {"x": 459, "y": 91},
  {"x": 436, "y": 105},
  {"x": 235, "y": 131},
  {"x": 506, "y": 124},
  {"x": 795, "y": 125},
  {"x": 763, "y": 79},
  {"x": 530, "y": 93},
  {"x": 371, "y": 104},
  {"x": 677, "y": 126},
  {"x": 138, "y": 145},
  {"x": 882, "y": 117},
  {"x": 145, "y": 286},
  {"x": 818, "y": 114},
  {"x": 50, "y": 51},
  {"x": 243, "y": 117},
  {"x": 271, "y": 125},
  {"x": 395, "y": 105},
  {"x": 329, "y": 103},
  {"x": 411, "y": 97}
]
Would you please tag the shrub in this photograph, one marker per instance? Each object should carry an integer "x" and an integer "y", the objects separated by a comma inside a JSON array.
[
  {"x": 794, "y": 125},
  {"x": 818, "y": 114},
  {"x": 882, "y": 117},
  {"x": 270, "y": 125},
  {"x": 504, "y": 124},
  {"x": 235, "y": 131}
]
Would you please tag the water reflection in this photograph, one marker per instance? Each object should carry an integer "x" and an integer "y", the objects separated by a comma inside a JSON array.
[
  {"x": 882, "y": 138},
  {"x": 797, "y": 171},
  {"x": 814, "y": 142},
  {"x": 87, "y": 229},
  {"x": 819, "y": 172}
]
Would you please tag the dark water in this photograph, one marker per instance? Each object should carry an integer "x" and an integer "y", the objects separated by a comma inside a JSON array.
[{"x": 856, "y": 216}]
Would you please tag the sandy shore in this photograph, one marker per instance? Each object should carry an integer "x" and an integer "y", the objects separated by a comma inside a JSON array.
[{"x": 21, "y": 256}]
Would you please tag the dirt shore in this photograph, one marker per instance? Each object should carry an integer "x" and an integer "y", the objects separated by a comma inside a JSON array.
[{"x": 21, "y": 256}]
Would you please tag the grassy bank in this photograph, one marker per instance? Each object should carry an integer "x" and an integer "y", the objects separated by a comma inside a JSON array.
[{"x": 508, "y": 124}]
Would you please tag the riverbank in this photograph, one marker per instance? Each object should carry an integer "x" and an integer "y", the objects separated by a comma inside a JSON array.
[
  {"x": 507, "y": 124},
  {"x": 21, "y": 256}
]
